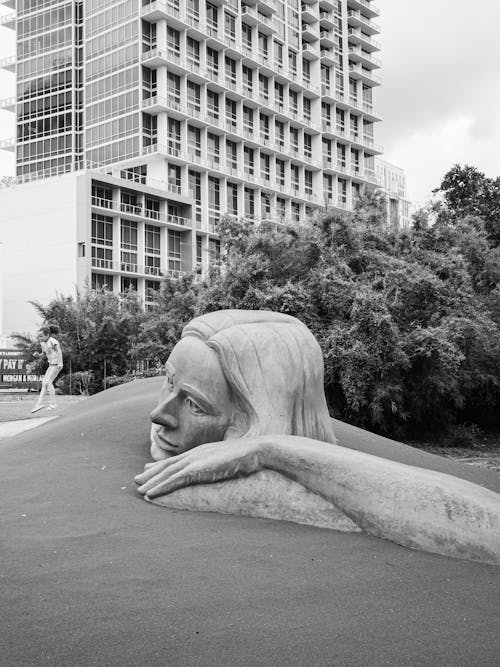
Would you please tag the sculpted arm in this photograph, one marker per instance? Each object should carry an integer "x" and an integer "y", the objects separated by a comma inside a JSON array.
[{"x": 411, "y": 506}]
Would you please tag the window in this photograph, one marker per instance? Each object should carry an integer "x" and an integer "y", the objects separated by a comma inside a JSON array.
[
  {"x": 327, "y": 187},
  {"x": 247, "y": 79},
  {"x": 214, "y": 250},
  {"x": 231, "y": 122},
  {"x": 231, "y": 156},
  {"x": 263, "y": 45},
  {"x": 174, "y": 136},
  {"x": 264, "y": 128},
  {"x": 294, "y": 140},
  {"x": 341, "y": 157},
  {"x": 128, "y": 246},
  {"x": 212, "y": 63},
  {"x": 249, "y": 202},
  {"x": 307, "y": 145},
  {"x": 306, "y": 71},
  {"x": 246, "y": 36},
  {"x": 213, "y": 106},
  {"x": 193, "y": 98},
  {"x": 174, "y": 177},
  {"x": 213, "y": 149},
  {"x": 152, "y": 250},
  {"x": 194, "y": 182},
  {"x": 212, "y": 22},
  {"x": 152, "y": 208},
  {"x": 248, "y": 160},
  {"x": 194, "y": 141},
  {"x": 293, "y": 102},
  {"x": 173, "y": 42},
  {"x": 102, "y": 241},
  {"x": 102, "y": 281},
  {"x": 265, "y": 205},
  {"x": 278, "y": 55},
  {"x": 279, "y": 133},
  {"x": 232, "y": 198},
  {"x": 294, "y": 177},
  {"x": 229, "y": 26},
  {"x": 174, "y": 250},
  {"x": 279, "y": 96},
  {"x": 308, "y": 182},
  {"x": 263, "y": 89},
  {"x": 193, "y": 50},
  {"x": 306, "y": 108},
  {"x": 230, "y": 72},
  {"x": 280, "y": 172},
  {"x": 248, "y": 119},
  {"x": 265, "y": 166}
]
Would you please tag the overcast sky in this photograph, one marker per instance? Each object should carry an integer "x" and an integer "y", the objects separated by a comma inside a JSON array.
[{"x": 440, "y": 93}]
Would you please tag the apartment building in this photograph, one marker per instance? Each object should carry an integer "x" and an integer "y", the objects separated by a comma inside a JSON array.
[
  {"x": 173, "y": 113},
  {"x": 392, "y": 181}
]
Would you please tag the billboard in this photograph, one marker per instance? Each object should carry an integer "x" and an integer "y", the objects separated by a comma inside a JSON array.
[{"x": 15, "y": 372}]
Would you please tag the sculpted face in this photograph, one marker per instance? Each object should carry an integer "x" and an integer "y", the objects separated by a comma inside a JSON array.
[{"x": 195, "y": 404}]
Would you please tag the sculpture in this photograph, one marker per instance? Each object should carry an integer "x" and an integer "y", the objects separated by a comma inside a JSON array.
[{"x": 244, "y": 396}]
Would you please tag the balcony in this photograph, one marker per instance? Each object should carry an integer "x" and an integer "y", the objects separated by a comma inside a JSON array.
[
  {"x": 8, "y": 104},
  {"x": 309, "y": 15},
  {"x": 309, "y": 32},
  {"x": 326, "y": 20},
  {"x": 8, "y": 144},
  {"x": 358, "y": 55},
  {"x": 8, "y": 64},
  {"x": 309, "y": 52},
  {"x": 329, "y": 57},
  {"x": 155, "y": 104},
  {"x": 356, "y": 36},
  {"x": 9, "y": 20},
  {"x": 155, "y": 57},
  {"x": 366, "y": 6},
  {"x": 155, "y": 11},
  {"x": 327, "y": 38},
  {"x": 356, "y": 71},
  {"x": 357, "y": 20}
]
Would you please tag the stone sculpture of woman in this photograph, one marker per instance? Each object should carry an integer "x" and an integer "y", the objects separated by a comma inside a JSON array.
[{"x": 243, "y": 397}]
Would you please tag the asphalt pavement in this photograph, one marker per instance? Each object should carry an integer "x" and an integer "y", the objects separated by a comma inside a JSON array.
[{"x": 94, "y": 575}]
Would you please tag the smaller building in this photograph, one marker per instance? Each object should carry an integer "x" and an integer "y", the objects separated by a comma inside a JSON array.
[
  {"x": 392, "y": 180},
  {"x": 100, "y": 228}
]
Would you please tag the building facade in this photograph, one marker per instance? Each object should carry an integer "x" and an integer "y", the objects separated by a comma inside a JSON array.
[
  {"x": 186, "y": 111},
  {"x": 392, "y": 181}
]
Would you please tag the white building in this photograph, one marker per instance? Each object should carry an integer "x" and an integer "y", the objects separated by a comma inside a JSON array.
[
  {"x": 161, "y": 117},
  {"x": 392, "y": 181}
]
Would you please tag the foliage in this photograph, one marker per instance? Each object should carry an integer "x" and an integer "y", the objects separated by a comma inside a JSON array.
[
  {"x": 96, "y": 333},
  {"x": 408, "y": 339},
  {"x": 408, "y": 320},
  {"x": 468, "y": 192}
]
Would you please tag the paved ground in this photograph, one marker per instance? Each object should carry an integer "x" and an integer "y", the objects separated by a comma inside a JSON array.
[
  {"x": 93, "y": 575},
  {"x": 16, "y": 406}
]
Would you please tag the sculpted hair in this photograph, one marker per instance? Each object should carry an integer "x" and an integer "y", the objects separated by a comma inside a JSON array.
[{"x": 274, "y": 367}]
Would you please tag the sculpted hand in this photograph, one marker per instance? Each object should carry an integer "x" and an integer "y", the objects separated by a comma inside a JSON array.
[{"x": 212, "y": 462}]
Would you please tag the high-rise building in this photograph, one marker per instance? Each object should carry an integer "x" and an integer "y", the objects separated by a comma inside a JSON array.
[{"x": 162, "y": 116}]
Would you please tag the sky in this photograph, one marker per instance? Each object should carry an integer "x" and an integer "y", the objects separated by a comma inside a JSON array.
[{"x": 440, "y": 92}]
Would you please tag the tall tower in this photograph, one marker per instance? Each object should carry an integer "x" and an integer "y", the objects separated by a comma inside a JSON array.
[
  {"x": 184, "y": 111},
  {"x": 261, "y": 108}
]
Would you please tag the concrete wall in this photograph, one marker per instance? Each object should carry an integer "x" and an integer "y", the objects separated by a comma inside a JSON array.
[{"x": 38, "y": 232}]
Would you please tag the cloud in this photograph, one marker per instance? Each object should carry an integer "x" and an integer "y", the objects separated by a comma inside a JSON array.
[{"x": 440, "y": 88}]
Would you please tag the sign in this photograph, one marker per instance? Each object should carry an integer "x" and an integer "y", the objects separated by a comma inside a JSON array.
[{"x": 14, "y": 370}]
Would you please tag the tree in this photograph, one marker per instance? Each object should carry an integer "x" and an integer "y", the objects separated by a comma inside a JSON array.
[
  {"x": 96, "y": 332},
  {"x": 466, "y": 192}
]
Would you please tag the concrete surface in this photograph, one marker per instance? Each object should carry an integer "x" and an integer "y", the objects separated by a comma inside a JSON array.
[{"x": 93, "y": 575}]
